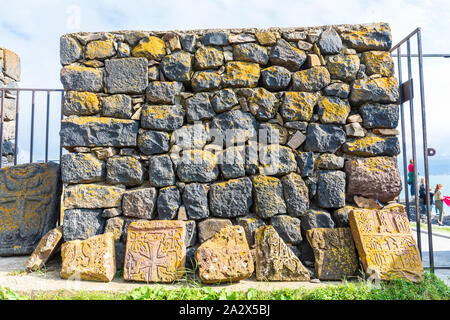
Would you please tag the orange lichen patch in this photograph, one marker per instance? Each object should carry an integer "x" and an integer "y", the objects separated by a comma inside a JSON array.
[
  {"x": 242, "y": 74},
  {"x": 267, "y": 38},
  {"x": 150, "y": 48},
  {"x": 206, "y": 77},
  {"x": 81, "y": 103},
  {"x": 208, "y": 57},
  {"x": 368, "y": 36},
  {"x": 93, "y": 259},
  {"x": 92, "y": 196},
  {"x": 100, "y": 49},
  {"x": 385, "y": 244},
  {"x": 298, "y": 105},
  {"x": 156, "y": 112},
  {"x": 378, "y": 62},
  {"x": 363, "y": 143},
  {"x": 334, "y": 253},
  {"x": 343, "y": 67},
  {"x": 333, "y": 110},
  {"x": 312, "y": 79},
  {"x": 94, "y": 120},
  {"x": 376, "y": 164}
]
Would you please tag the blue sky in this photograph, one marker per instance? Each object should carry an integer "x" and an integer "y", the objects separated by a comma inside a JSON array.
[{"x": 32, "y": 29}]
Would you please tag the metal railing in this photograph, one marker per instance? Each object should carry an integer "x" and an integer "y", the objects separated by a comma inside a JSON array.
[
  {"x": 47, "y": 110},
  {"x": 407, "y": 94}
]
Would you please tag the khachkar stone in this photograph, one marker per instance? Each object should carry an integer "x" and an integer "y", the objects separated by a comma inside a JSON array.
[
  {"x": 46, "y": 248},
  {"x": 155, "y": 251},
  {"x": 92, "y": 259},
  {"x": 334, "y": 252},
  {"x": 385, "y": 243},
  {"x": 29, "y": 205},
  {"x": 275, "y": 261},
  {"x": 225, "y": 257}
]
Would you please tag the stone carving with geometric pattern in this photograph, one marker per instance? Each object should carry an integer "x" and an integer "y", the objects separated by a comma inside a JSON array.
[
  {"x": 29, "y": 205},
  {"x": 385, "y": 243},
  {"x": 155, "y": 251}
]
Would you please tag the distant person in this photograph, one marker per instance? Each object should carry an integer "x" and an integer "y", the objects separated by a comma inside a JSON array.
[
  {"x": 422, "y": 197},
  {"x": 432, "y": 201},
  {"x": 439, "y": 201},
  {"x": 411, "y": 176}
]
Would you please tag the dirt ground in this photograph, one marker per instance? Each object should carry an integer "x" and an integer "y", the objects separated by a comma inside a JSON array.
[{"x": 13, "y": 276}]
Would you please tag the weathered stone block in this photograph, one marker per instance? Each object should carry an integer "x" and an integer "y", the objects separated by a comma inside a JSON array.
[
  {"x": 153, "y": 142},
  {"x": 92, "y": 259},
  {"x": 80, "y": 78},
  {"x": 231, "y": 198},
  {"x": 296, "y": 194},
  {"x": 316, "y": 218},
  {"x": 92, "y": 196},
  {"x": 241, "y": 74},
  {"x": 381, "y": 90},
  {"x": 70, "y": 50},
  {"x": 190, "y": 136},
  {"x": 330, "y": 42},
  {"x": 277, "y": 160},
  {"x": 225, "y": 257},
  {"x": 268, "y": 196},
  {"x": 199, "y": 108},
  {"x": 161, "y": 171},
  {"x": 373, "y": 146},
  {"x": 251, "y": 52},
  {"x": 385, "y": 244},
  {"x": 100, "y": 49},
  {"x": 333, "y": 110},
  {"x": 324, "y": 137},
  {"x": 283, "y": 54},
  {"x": 338, "y": 89},
  {"x": 378, "y": 62},
  {"x": 343, "y": 67},
  {"x": 152, "y": 48},
  {"x": 379, "y": 115},
  {"x": 209, "y": 227},
  {"x": 117, "y": 106},
  {"x": 274, "y": 260},
  {"x": 331, "y": 189},
  {"x": 155, "y": 251},
  {"x": 208, "y": 58},
  {"x": 177, "y": 66},
  {"x": 250, "y": 223},
  {"x": 115, "y": 226},
  {"x": 234, "y": 126},
  {"x": 206, "y": 80},
  {"x": 298, "y": 105},
  {"x": 139, "y": 203},
  {"x": 375, "y": 177},
  {"x": 82, "y": 168},
  {"x": 224, "y": 100},
  {"x": 47, "y": 247},
  {"x": 195, "y": 200},
  {"x": 376, "y": 36},
  {"x": 288, "y": 228},
  {"x": 162, "y": 117},
  {"x": 191, "y": 233},
  {"x": 98, "y": 131},
  {"x": 168, "y": 203},
  {"x": 312, "y": 79},
  {"x": 80, "y": 103},
  {"x": 276, "y": 77},
  {"x": 197, "y": 166},
  {"x": 80, "y": 224},
  {"x": 163, "y": 92},
  {"x": 126, "y": 75},
  {"x": 334, "y": 252},
  {"x": 124, "y": 170}
]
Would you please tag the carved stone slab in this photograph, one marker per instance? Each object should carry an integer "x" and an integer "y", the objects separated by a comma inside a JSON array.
[
  {"x": 155, "y": 251},
  {"x": 46, "y": 248},
  {"x": 275, "y": 261},
  {"x": 334, "y": 253},
  {"x": 385, "y": 243},
  {"x": 91, "y": 259},
  {"x": 29, "y": 203},
  {"x": 225, "y": 257}
]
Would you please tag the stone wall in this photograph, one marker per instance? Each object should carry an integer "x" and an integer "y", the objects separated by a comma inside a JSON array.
[
  {"x": 9, "y": 76},
  {"x": 217, "y": 127}
]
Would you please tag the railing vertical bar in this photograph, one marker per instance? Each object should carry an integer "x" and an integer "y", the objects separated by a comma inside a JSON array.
[
  {"x": 413, "y": 141},
  {"x": 47, "y": 126},
  {"x": 32, "y": 124},
  {"x": 402, "y": 120},
  {"x": 425, "y": 151},
  {"x": 1, "y": 127},
  {"x": 16, "y": 133}
]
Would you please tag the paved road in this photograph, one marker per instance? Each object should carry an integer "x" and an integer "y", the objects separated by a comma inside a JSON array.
[{"x": 441, "y": 249}]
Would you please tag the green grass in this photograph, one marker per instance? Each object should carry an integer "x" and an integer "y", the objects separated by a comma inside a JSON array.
[
  {"x": 424, "y": 226},
  {"x": 432, "y": 288}
]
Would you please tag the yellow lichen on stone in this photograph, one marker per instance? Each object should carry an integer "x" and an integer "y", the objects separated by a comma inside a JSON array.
[
  {"x": 150, "y": 48},
  {"x": 208, "y": 57},
  {"x": 333, "y": 110},
  {"x": 93, "y": 120},
  {"x": 378, "y": 62},
  {"x": 298, "y": 105},
  {"x": 242, "y": 74},
  {"x": 83, "y": 102},
  {"x": 267, "y": 37},
  {"x": 362, "y": 143},
  {"x": 92, "y": 196},
  {"x": 92, "y": 259},
  {"x": 100, "y": 49}
]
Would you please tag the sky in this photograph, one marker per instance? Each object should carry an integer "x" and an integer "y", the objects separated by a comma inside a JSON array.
[{"x": 32, "y": 29}]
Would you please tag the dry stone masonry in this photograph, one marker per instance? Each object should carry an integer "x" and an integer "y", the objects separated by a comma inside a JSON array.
[
  {"x": 9, "y": 76},
  {"x": 231, "y": 145}
]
